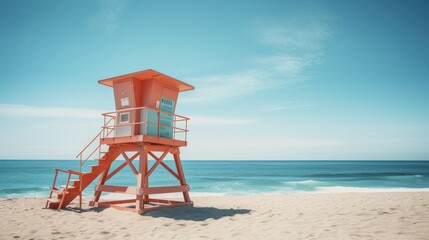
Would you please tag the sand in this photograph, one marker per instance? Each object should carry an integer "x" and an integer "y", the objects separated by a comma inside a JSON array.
[{"x": 293, "y": 216}]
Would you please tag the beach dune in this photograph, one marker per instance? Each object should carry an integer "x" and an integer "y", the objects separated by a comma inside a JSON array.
[{"x": 403, "y": 215}]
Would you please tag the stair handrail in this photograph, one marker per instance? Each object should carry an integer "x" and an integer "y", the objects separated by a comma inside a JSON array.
[
  {"x": 69, "y": 172},
  {"x": 87, "y": 145},
  {"x": 98, "y": 136}
]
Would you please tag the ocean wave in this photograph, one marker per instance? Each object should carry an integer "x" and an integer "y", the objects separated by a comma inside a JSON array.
[
  {"x": 18, "y": 190},
  {"x": 303, "y": 182},
  {"x": 24, "y": 192},
  {"x": 24, "y": 195},
  {"x": 363, "y": 174},
  {"x": 366, "y": 189},
  {"x": 207, "y": 194}
]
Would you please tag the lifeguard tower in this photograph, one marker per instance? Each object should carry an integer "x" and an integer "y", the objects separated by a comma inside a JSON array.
[{"x": 143, "y": 126}]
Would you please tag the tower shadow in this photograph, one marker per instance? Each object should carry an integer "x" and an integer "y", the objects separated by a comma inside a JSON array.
[{"x": 196, "y": 213}]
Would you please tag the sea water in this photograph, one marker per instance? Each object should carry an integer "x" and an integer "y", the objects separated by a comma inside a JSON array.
[{"x": 27, "y": 178}]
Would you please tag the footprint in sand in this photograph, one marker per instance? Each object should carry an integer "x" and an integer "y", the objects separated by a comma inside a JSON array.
[{"x": 382, "y": 213}]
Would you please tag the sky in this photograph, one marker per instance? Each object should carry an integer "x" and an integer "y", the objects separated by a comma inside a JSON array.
[{"x": 274, "y": 80}]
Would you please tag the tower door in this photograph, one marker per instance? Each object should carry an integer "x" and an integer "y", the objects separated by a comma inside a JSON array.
[
  {"x": 167, "y": 105},
  {"x": 124, "y": 99}
]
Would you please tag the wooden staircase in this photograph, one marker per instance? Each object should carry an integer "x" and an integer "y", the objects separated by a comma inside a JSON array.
[
  {"x": 74, "y": 187},
  {"x": 60, "y": 197}
]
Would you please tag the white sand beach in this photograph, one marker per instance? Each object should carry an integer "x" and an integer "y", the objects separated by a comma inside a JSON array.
[{"x": 296, "y": 216}]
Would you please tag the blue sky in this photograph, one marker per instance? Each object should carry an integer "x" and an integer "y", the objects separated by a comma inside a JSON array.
[{"x": 274, "y": 79}]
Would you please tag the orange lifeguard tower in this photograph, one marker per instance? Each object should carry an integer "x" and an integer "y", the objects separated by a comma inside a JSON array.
[{"x": 143, "y": 124}]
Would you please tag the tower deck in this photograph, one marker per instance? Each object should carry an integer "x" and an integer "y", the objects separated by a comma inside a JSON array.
[{"x": 143, "y": 139}]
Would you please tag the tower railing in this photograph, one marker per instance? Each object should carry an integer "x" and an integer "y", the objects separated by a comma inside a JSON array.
[
  {"x": 112, "y": 121},
  {"x": 179, "y": 124}
]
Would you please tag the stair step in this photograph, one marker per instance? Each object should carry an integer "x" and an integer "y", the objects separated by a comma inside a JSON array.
[
  {"x": 71, "y": 188},
  {"x": 60, "y": 195},
  {"x": 52, "y": 203},
  {"x": 58, "y": 191},
  {"x": 94, "y": 167},
  {"x": 101, "y": 162},
  {"x": 53, "y": 200},
  {"x": 76, "y": 183}
]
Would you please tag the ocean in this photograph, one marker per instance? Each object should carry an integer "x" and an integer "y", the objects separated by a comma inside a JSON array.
[{"x": 33, "y": 178}]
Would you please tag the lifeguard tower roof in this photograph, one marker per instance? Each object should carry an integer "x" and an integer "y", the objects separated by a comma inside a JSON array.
[{"x": 149, "y": 74}]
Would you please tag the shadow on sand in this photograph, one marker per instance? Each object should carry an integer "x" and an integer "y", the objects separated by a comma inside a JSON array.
[
  {"x": 83, "y": 210},
  {"x": 178, "y": 213},
  {"x": 196, "y": 213}
]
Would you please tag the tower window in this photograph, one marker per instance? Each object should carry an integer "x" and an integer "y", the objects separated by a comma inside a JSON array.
[
  {"x": 125, "y": 102},
  {"x": 124, "y": 117}
]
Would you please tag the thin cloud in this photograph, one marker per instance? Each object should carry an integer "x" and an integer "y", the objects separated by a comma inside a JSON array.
[
  {"x": 286, "y": 64},
  {"x": 212, "y": 121},
  {"x": 218, "y": 88},
  {"x": 10, "y": 110},
  {"x": 282, "y": 106},
  {"x": 308, "y": 33},
  {"x": 299, "y": 44},
  {"x": 109, "y": 14}
]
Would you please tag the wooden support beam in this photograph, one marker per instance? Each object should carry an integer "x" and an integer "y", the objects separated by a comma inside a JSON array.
[
  {"x": 157, "y": 148},
  {"x": 146, "y": 179},
  {"x": 165, "y": 189},
  {"x": 176, "y": 154},
  {"x": 148, "y": 146},
  {"x": 117, "y": 189},
  {"x": 158, "y": 161},
  {"x": 116, "y": 170},
  {"x": 170, "y": 170},
  {"x": 118, "y": 201},
  {"x": 166, "y": 166},
  {"x": 122, "y": 165},
  {"x": 141, "y": 179},
  {"x": 101, "y": 181},
  {"x": 135, "y": 155},
  {"x": 164, "y": 201},
  {"x": 130, "y": 163}
]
